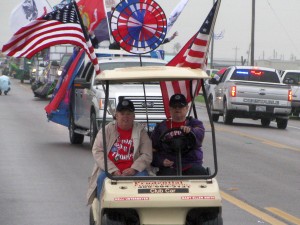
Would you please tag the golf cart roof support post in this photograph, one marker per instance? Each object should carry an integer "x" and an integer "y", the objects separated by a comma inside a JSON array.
[
  {"x": 212, "y": 130},
  {"x": 145, "y": 98},
  {"x": 103, "y": 130}
]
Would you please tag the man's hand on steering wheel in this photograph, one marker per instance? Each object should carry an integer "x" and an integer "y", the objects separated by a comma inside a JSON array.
[{"x": 186, "y": 129}]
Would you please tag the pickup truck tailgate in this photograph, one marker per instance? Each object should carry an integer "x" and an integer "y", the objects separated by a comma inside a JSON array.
[{"x": 262, "y": 94}]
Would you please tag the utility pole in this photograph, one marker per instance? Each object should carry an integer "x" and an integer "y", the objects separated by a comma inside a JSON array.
[
  {"x": 235, "y": 55},
  {"x": 252, "y": 32}
]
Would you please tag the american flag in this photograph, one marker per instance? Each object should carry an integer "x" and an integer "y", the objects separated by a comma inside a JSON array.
[
  {"x": 193, "y": 55},
  {"x": 61, "y": 26}
]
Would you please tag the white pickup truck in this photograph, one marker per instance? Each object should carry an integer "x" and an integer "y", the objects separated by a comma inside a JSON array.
[
  {"x": 251, "y": 92},
  {"x": 292, "y": 77},
  {"x": 87, "y": 97}
]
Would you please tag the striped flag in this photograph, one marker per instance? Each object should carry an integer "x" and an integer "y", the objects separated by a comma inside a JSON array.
[
  {"x": 61, "y": 26},
  {"x": 193, "y": 55}
]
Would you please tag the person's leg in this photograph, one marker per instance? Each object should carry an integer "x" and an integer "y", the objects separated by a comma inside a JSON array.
[
  {"x": 100, "y": 181},
  {"x": 166, "y": 171},
  {"x": 142, "y": 174},
  {"x": 195, "y": 169}
]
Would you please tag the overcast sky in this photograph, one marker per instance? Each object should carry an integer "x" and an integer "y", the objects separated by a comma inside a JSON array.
[{"x": 277, "y": 33}]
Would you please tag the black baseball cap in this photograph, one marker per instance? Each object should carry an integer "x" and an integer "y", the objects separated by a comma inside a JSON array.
[
  {"x": 125, "y": 104},
  {"x": 178, "y": 100}
]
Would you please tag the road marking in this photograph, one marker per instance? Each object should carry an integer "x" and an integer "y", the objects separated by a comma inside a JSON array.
[
  {"x": 250, "y": 209},
  {"x": 265, "y": 141},
  {"x": 284, "y": 215}
]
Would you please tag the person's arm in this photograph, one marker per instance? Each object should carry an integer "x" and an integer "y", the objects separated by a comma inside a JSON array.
[
  {"x": 145, "y": 152},
  {"x": 94, "y": 39},
  {"x": 157, "y": 157},
  {"x": 198, "y": 129},
  {"x": 168, "y": 39}
]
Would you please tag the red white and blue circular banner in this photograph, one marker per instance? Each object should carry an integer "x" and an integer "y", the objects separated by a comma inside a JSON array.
[{"x": 139, "y": 26}]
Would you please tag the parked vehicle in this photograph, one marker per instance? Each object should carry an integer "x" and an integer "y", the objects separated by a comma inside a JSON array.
[
  {"x": 87, "y": 98},
  {"x": 251, "y": 92},
  {"x": 292, "y": 77}
]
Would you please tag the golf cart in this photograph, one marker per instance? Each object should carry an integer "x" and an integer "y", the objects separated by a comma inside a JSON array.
[{"x": 160, "y": 200}]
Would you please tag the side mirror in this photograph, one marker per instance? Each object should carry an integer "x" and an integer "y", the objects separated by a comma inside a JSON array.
[{"x": 213, "y": 81}]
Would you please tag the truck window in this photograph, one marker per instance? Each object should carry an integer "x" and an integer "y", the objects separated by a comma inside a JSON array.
[
  {"x": 255, "y": 75},
  {"x": 292, "y": 78}
]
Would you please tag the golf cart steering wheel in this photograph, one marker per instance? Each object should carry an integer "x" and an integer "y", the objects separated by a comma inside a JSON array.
[{"x": 175, "y": 140}]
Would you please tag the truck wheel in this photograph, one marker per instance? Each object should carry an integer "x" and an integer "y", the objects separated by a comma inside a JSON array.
[
  {"x": 227, "y": 118},
  {"x": 74, "y": 137},
  {"x": 282, "y": 123},
  {"x": 93, "y": 129},
  {"x": 215, "y": 117},
  {"x": 265, "y": 122}
]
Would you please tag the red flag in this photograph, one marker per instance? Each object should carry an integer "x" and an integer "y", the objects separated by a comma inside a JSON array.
[
  {"x": 61, "y": 26},
  {"x": 193, "y": 55},
  {"x": 92, "y": 12}
]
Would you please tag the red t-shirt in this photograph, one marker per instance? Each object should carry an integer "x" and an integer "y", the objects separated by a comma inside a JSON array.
[
  {"x": 172, "y": 124},
  {"x": 121, "y": 152}
]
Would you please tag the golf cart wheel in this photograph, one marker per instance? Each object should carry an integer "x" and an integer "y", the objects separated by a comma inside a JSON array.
[
  {"x": 113, "y": 219},
  {"x": 93, "y": 129},
  {"x": 92, "y": 221},
  {"x": 204, "y": 217},
  {"x": 74, "y": 137},
  {"x": 212, "y": 219},
  {"x": 227, "y": 118},
  {"x": 265, "y": 122},
  {"x": 282, "y": 123}
]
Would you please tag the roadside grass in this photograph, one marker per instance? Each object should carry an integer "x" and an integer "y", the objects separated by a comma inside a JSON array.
[{"x": 200, "y": 99}]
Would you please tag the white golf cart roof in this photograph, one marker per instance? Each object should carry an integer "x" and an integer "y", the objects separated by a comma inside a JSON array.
[{"x": 152, "y": 73}]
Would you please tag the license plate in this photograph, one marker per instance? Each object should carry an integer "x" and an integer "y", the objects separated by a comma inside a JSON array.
[{"x": 261, "y": 108}]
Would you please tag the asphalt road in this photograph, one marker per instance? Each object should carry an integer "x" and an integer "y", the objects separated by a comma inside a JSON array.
[{"x": 43, "y": 179}]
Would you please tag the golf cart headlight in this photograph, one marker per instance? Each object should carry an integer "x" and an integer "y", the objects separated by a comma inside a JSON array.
[
  {"x": 59, "y": 72},
  {"x": 111, "y": 108}
]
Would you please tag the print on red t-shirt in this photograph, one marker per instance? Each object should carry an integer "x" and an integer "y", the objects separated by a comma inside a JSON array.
[{"x": 121, "y": 152}]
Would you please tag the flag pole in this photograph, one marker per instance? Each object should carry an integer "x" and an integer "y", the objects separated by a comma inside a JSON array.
[
  {"x": 86, "y": 35},
  {"x": 213, "y": 23},
  {"x": 49, "y": 5}
]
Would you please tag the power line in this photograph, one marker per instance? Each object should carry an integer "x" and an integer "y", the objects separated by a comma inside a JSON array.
[{"x": 286, "y": 32}]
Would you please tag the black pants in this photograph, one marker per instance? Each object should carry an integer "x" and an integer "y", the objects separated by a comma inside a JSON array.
[{"x": 194, "y": 169}]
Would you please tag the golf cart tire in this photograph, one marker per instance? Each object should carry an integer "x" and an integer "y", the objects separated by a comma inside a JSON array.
[
  {"x": 92, "y": 221},
  {"x": 212, "y": 220},
  {"x": 211, "y": 216},
  {"x": 113, "y": 219},
  {"x": 74, "y": 137}
]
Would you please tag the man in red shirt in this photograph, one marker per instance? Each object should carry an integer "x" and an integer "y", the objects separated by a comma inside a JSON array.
[{"x": 129, "y": 149}]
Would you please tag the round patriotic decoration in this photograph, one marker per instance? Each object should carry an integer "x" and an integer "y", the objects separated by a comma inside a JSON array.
[{"x": 139, "y": 26}]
